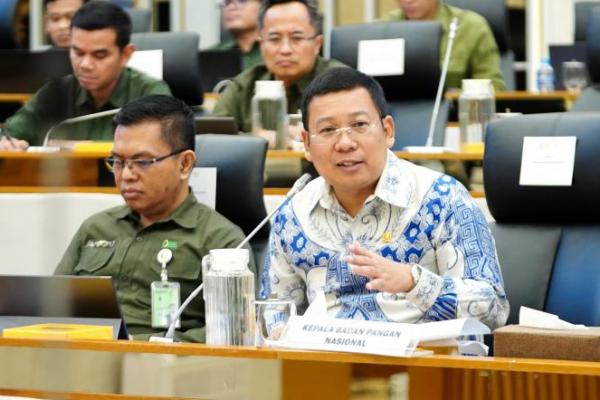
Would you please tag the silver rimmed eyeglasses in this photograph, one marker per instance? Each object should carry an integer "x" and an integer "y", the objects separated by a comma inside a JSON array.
[
  {"x": 116, "y": 164},
  {"x": 331, "y": 134}
]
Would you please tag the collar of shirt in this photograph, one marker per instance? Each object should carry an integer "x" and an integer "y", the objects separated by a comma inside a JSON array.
[
  {"x": 118, "y": 97},
  {"x": 185, "y": 215},
  {"x": 394, "y": 187}
]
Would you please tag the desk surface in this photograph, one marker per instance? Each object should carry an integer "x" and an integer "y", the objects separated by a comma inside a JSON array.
[
  {"x": 523, "y": 95},
  {"x": 434, "y": 361}
]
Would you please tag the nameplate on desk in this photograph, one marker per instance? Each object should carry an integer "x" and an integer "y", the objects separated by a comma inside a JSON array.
[
  {"x": 548, "y": 161},
  {"x": 333, "y": 334}
]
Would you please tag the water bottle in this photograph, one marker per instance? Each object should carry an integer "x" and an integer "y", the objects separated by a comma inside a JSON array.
[
  {"x": 476, "y": 107},
  {"x": 269, "y": 112},
  {"x": 545, "y": 76},
  {"x": 229, "y": 297}
]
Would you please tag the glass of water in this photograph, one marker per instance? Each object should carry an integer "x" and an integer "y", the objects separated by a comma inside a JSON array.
[
  {"x": 574, "y": 76},
  {"x": 272, "y": 316}
]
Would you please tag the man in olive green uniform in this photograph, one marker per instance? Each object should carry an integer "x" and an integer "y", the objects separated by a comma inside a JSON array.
[
  {"x": 99, "y": 52},
  {"x": 240, "y": 18},
  {"x": 290, "y": 41},
  {"x": 152, "y": 159},
  {"x": 475, "y": 53}
]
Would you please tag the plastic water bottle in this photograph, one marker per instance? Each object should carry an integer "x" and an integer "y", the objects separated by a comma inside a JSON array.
[
  {"x": 545, "y": 76},
  {"x": 269, "y": 112}
]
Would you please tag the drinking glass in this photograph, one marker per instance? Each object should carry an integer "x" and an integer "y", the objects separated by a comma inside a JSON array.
[
  {"x": 272, "y": 316},
  {"x": 574, "y": 75}
]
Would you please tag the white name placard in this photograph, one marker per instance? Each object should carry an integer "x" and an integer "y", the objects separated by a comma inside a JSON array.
[
  {"x": 149, "y": 62},
  {"x": 381, "y": 57},
  {"x": 203, "y": 182},
  {"x": 332, "y": 334},
  {"x": 548, "y": 161}
]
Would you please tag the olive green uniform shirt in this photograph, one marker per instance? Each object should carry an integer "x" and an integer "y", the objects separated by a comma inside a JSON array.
[
  {"x": 63, "y": 98},
  {"x": 249, "y": 59},
  {"x": 113, "y": 243},
  {"x": 236, "y": 100},
  {"x": 475, "y": 53}
]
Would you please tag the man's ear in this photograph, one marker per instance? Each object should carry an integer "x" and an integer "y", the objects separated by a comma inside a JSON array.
[
  {"x": 188, "y": 161},
  {"x": 126, "y": 53},
  {"x": 306, "y": 140},
  {"x": 319, "y": 43},
  {"x": 389, "y": 130}
]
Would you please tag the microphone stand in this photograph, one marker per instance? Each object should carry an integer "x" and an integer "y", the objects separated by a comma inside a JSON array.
[
  {"x": 169, "y": 335},
  {"x": 77, "y": 119},
  {"x": 440, "y": 91}
]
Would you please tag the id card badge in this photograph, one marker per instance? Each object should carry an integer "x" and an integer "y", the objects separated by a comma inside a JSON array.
[{"x": 165, "y": 302}]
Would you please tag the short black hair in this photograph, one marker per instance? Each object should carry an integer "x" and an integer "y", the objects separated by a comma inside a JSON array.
[
  {"x": 311, "y": 5},
  {"x": 98, "y": 14},
  {"x": 339, "y": 80},
  {"x": 175, "y": 117}
]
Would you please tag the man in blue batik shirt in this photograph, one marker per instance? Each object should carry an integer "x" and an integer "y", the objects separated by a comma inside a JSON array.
[{"x": 383, "y": 238}]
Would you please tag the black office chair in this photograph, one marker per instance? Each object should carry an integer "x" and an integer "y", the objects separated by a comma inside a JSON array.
[
  {"x": 589, "y": 100},
  {"x": 141, "y": 19},
  {"x": 180, "y": 61},
  {"x": 496, "y": 14},
  {"x": 410, "y": 96},
  {"x": 240, "y": 163},
  {"x": 547, "y": 236},
  {"x": 583, "y": 10}
]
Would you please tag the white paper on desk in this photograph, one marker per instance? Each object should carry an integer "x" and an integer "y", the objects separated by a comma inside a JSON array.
[
  {"x": 149, "y": 62},
  {"x": 203, "y": 182},
  {"x": 381, "y": 57},
  {"x": 450, "y": 329},
  {"x": 317, "y": 307},
  {"x": 548, "y": 161},
  {"x": 540, "y": 319}
]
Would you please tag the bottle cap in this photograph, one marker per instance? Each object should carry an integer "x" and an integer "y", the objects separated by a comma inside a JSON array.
[
  {"x": 229, "y": 259},
  {"x": 478, "y": 86},
  {"x": 269, "y": 88}
]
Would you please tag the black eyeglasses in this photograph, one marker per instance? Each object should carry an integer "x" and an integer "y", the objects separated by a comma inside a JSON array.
[{"x": 116, "y": 164}]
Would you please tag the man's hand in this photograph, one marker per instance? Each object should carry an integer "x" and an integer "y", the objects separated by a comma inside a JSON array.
[
  {"x": 384, "y": 274},
  {"x": 7, "y": 144}
]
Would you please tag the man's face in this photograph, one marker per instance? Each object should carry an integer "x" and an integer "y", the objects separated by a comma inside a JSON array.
[
  {"x": 240, "y": 15},
  {"x": 349, "y": 162},
  {"x": 58, "y": 21},
  {"x": 288, "y": 43},
  {"x": 150, "y": 190},
  {"x": 419, "y": 9},
  {"x": 96, "y": 59}
]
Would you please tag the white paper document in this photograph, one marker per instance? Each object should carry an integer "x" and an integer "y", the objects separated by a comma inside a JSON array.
[
  {"x": 548, "y": 161},
  {"x": 540, "y": 319},
  {"x": 149, "y": 62},
  {"x": 203, "y": 182},
  {"x": 381, "y": 57}
]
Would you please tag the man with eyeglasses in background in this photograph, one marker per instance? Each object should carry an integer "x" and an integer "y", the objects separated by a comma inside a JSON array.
[
  {"x": 240, "y": 19},
  {"x": 290, "y": 41},
  {"x": 152, "y": 159},
  {"x": 384, "y": 239}
]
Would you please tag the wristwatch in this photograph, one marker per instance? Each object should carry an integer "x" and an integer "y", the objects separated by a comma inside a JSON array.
[{"x": 415, "y": 271}]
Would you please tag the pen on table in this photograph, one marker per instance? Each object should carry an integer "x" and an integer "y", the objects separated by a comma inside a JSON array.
[{"x": 11, "y": 140}]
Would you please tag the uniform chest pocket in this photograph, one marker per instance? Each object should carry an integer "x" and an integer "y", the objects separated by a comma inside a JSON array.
[{"x": 93, "y": 259}]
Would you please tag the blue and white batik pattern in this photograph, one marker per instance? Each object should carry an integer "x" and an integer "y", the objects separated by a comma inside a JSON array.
[{"x": 415, "y": 216}]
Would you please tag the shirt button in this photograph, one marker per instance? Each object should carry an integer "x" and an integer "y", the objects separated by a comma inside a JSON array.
[{"x": 139, "y": 238}]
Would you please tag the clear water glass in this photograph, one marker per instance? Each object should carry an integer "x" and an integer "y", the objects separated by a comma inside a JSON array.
[
  {"x": 574, "y": 76},
  {"x": 272, "y": 316}
]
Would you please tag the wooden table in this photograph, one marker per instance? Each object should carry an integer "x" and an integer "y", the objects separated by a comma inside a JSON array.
[
  {"x": 317, "y": 374},
  {"x": 21, "y": 98}
]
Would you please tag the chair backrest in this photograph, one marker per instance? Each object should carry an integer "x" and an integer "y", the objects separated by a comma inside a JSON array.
[
  {"x": 547, "y": 236},
  {"x": 496, "y": 14},
  {"x": 180, "y": 61},
  {"x": 583, "y": 10},
  {"x": 589, "y": 100},
  {"x": 141, "y": 19},
  {"x": 411, "y": 95},
  {"x": 240, "y": 163}
]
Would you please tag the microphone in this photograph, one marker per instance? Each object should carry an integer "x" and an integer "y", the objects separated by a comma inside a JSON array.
[
  {"x": 296, "y": 188},
  {"x": 440, "y": 91},
  {"x": 77, "y": 119}
]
